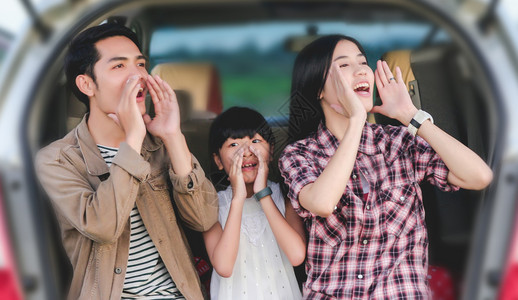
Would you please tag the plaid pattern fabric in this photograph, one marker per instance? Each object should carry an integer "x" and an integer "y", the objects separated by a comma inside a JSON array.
[{"x": 374, "y": 248}]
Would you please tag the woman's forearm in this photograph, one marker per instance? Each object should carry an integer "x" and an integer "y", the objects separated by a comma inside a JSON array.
[
  {"x": 467, "y": 169},
  {"x": 321, "y": 196}
]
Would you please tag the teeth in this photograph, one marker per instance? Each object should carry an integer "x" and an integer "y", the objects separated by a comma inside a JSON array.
[
  {"x": 247, "y": 165},
  {"x": 361, "y": 85},
  {"x": 141, "y": 90}
]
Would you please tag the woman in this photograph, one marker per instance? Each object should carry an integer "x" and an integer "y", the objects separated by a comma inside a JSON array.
[{"x": 357, "y": 184}]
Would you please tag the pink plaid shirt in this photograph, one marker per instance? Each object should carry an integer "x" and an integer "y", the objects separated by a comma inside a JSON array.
[{"x": 375, "y": 248}]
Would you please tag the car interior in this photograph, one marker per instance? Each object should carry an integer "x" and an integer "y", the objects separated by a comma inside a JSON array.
[{"x": 211, "y": 54}]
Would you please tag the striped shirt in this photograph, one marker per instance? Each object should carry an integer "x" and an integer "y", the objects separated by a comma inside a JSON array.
[{"x": 146, "y": 274}]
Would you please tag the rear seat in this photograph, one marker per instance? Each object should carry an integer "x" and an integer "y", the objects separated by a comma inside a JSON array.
[
  {"x": 201, "y": 100},
  {"x": 200, "y": 80},
  {"x": 439, "y": 82}
]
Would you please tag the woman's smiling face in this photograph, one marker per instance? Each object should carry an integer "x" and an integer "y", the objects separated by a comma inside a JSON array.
[{"x": 358, "y": 75}]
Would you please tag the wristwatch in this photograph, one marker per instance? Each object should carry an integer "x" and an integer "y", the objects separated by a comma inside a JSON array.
[
  {"x": 263, "y": 193},
  {"x": 417, "y": 120}
]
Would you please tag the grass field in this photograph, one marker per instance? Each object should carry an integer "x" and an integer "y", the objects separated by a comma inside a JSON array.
[{"x": 266, "y": 93}]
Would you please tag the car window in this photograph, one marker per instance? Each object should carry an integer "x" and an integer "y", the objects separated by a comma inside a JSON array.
[{"x": 253, "y": 61}]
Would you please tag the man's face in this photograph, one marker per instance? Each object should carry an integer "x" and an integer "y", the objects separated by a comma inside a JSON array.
[{"x": 119, "y": 59}]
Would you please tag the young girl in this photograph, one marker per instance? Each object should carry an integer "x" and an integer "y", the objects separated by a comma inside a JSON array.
[
  {"x": 357, "y": 184},
  {"x": 259, "y": 237}
]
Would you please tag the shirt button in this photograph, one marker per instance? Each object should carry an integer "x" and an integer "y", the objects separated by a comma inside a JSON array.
[
  {"x": 367, "y": 207},
  {"x": 190, "y": 184},
  {"x": 402, "y": 198},
  {"x": 365, "y": 242},
  {"x": 360, "y": 276},
  {"x": 336, "y": 207},
  {"x": 118, "y": 270},
  {"x": 354, "y": 176}
]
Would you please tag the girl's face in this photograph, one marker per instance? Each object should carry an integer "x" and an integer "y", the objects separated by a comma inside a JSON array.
[
  {"x": 358, "y": 75},
  {"x": 228, "y": 152}
]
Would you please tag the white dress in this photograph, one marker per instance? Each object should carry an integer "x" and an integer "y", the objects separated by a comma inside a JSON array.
[{"x": 261, "y": 270}]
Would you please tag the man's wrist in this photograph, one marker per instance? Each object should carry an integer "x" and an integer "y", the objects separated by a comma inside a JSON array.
[
  {"x": 173, "y": 137},
  {"x": 135, "y": 142},
  {"x": 178, "y": 151}
]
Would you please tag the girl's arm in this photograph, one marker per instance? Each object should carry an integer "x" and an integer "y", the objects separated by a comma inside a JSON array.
[
  {"x": 288, "y": 231},
  {"x": 321, "y": 196},
  {"x": 467, "y": 169},
  {"x": 222, "y": 245}
]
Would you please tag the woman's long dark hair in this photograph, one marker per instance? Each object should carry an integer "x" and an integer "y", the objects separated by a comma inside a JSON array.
[{"x": 309, "y": 76}]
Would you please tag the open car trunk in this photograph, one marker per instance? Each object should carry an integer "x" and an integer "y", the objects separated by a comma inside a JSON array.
[{"x": 451, "y": 83}]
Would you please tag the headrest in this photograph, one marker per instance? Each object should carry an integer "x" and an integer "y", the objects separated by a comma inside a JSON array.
[
  {"x": 400, "y": 58},
  {"x": 403, "y": 60},
  {"x": 75, "y": 112},
  {"x": 184, "y": 104},
  {"x": 200, "y": 80}
]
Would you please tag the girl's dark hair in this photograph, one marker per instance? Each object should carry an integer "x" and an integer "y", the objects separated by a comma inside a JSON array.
[
  {"x": 309, "y": 76},
  {"x": 82, "y": 54},
  {"x": 238, "y": 122}
]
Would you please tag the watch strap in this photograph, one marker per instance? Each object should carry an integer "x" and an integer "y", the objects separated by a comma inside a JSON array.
[
  {"x": 418, "y": 120},
  {"x": 263, "y": 193}
]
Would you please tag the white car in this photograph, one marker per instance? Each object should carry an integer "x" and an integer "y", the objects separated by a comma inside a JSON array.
[{"x": 463, "y": 55}]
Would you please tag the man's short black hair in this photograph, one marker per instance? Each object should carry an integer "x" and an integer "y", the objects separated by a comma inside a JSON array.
[{"x": 83, "y": 55}]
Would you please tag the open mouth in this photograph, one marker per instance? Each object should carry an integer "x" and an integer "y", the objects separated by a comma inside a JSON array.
[
  {"x": 248, "y": 165},
  {"x": 141, "y": 95},
  {"x": 362, "y": 87}
]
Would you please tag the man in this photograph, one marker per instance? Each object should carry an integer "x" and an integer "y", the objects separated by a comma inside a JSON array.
[{"x": 111, "y": 178}]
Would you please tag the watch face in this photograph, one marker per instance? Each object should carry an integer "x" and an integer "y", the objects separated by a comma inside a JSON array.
[
  {"x": 414, "y": 123},
  {"x": 411, "y": 128}
]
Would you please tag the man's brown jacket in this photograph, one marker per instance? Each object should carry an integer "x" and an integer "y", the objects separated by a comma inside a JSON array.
[{"x": 93, "y": 205}]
